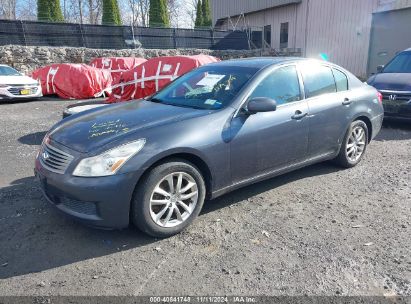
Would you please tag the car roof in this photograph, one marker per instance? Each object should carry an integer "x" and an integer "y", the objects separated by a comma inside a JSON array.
[{"x": 256, "y": 62}]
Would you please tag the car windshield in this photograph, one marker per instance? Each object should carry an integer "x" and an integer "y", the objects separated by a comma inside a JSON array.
[
  {"x": 205, "y": 88},
  {"x": 8, "y": 71},
  {"x": 400, "y": 64}
]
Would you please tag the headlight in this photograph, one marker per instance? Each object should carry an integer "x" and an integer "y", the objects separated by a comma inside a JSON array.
[{"x": 109, "y": 162}]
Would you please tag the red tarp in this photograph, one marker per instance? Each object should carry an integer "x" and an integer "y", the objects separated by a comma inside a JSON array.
[
  {"x": 154, "y": 74},
  {"x": 117, "y": 65},
  {"x": 78, "y": 81}
]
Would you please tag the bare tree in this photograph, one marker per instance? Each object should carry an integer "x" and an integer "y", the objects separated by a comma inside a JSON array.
[
  {"x": 173, "y": 12},
  {"x": 94, "y": 11},
  {"x": 144, "y": 6},
  {"x": 182, "y": 13},
  {"x": 27, "y": 10},
  {"x": 190, "y": 9},
  {"x": 135, "y": 11},
  {"x": 8, "y": 9}
]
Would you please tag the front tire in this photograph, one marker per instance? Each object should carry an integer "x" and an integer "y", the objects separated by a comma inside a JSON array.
[
  {"x": 168, "y": 199},
  {"x": 354, "y": 145}
]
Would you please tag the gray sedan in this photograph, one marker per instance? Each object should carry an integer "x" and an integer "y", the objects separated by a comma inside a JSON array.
[{"x": 218, "y": 128}]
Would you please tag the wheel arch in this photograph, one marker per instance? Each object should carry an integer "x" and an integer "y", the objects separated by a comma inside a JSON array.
[
  {"x": 367, "y": 121},
  {"x": 185, "y": 155}
]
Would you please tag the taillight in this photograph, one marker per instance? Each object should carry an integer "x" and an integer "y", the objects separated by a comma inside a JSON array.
[{"x": 379, "y": 97}]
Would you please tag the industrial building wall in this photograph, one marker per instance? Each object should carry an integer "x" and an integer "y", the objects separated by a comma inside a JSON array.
[
  {"x": 224, "y": 8},
  {"x": 341, "y": 30},
  {"x": 275, "y": 17},
  {"x": 390, "y": 34}
]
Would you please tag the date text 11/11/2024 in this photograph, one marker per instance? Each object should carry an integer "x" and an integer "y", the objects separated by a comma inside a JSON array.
[{"x": 203, "y": 299}]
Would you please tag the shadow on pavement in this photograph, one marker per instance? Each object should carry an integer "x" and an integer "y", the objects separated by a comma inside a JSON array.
[
  {"x": 264, "y": 186},
  {"x": 35, "y": 237},
  {"x": 395, "y": 129},
  {"x": 33, "y": 139}
]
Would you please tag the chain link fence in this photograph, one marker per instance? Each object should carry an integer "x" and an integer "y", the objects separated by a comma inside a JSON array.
[{"x": 33, "y": 33}]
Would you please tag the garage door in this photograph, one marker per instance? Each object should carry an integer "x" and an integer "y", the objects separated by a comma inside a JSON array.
[{"x": 390, "y": 34}]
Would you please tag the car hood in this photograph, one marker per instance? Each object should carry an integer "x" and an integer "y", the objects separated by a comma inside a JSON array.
[
  {"x": 391, "y": 81},
  {"x": 96, "y": 128},
  {"x": 17, "y": 80}
]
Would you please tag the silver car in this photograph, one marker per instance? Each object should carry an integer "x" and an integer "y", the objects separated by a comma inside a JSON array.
[{"x": 14, "y": 85}]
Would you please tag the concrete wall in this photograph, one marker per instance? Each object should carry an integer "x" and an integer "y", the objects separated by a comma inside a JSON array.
[{"x": 27, "y": 59}]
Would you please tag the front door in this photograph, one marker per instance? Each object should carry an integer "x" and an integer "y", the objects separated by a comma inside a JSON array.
[{"x": 264, "y": 142}]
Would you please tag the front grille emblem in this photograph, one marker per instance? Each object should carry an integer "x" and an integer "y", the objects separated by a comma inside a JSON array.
[
  {"x": 45, "y": 155},
  {"x": 392, "y": 97}
]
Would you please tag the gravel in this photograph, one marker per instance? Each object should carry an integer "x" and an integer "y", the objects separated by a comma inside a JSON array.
[{"x": 317, "y": 231}]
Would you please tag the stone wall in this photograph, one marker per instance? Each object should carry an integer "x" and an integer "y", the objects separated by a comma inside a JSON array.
[{"x": 29, "y": 58}]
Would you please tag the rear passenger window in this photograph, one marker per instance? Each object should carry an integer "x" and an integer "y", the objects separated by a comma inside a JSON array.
[
  {"x": 341, "y": 80},
  {"x": 318, "y": 80}
]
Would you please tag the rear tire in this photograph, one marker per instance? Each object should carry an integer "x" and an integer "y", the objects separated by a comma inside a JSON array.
[
  {"x": 354, "y": 145},
  {"x": 168, "y": 198}
]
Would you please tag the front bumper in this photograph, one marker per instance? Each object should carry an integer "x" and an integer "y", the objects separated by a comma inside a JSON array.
[
  {"x": 397, "y": 104},
  {"x": 399, "y": 110},
  {"x": 20, "y": 92},
  {"x": 102, "y": 202}
]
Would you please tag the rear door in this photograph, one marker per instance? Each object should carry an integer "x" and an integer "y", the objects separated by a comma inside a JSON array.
[{"x": 328, "y": 98}]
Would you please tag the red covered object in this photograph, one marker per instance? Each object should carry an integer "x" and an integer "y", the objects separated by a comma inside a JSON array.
[
  {"x": 77, "y": 81},
  {"x": 153, "y": 75},
  {"x": 117, "y": 65}
]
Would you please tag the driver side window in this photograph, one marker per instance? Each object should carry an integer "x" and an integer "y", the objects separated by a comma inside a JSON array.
[{"x": 282, "y": 85}]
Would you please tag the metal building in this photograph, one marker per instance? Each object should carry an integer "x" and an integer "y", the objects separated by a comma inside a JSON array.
[{"x": 338, "y": 30}]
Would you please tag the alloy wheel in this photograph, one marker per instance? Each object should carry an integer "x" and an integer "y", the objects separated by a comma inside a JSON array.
[
  {"x": 173, "y": 199},
  {"x": 356, "y": 144}
]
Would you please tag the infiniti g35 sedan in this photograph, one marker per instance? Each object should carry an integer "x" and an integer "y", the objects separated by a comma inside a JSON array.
[{"x": 226, "y": 125}]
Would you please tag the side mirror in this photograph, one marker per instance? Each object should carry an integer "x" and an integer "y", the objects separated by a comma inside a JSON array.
[
  {"x": 261, "y": 104},
  {"x": 380, "y": 68}
]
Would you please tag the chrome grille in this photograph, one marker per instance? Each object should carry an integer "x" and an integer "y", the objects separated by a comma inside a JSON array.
[
  {"x": 54, "y": 159},
  {"x": 16, "y": 91},
  {"x": 396, "y": 96}
]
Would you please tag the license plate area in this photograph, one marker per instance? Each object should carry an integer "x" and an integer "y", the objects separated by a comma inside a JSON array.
[
  {"x": 25, "y": 92},
  {"x": 391, "y": 106}
]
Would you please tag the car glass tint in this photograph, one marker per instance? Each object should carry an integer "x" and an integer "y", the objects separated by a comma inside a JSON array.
[
  {"x": 281, "y": 85},
  {"x": 206, "y": 88},
  {"x": 400, "y": 64},
  {"x": 7, "y": 71},
  {"x": 341, "y": 80},
  {"x": 318, "y": 79}
]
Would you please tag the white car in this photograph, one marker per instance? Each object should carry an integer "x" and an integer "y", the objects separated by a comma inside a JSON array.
[{"x": 14, "y": 85}]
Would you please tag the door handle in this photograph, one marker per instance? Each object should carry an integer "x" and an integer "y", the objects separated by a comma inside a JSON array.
[
  {"x": 346, "y": 102},
  {"x": 299, "y": 115}
]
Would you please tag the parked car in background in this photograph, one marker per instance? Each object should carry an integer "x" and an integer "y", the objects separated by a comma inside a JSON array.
[
  {"x": 394, "y": 82},
  {"x": 83, "y": 105},
  {"x": 215, "y": 129},
  {"x": 14, "y": 85}
]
